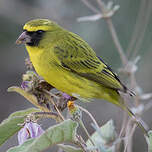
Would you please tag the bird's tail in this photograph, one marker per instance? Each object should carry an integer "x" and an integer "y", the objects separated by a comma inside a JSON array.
[
  {"x": 138, "y": 121},
  {"x": 131, "y": 93},
  {"x": 115, "y": 98}
]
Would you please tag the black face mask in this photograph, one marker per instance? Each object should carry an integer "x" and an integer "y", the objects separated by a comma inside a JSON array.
[{"x": 36, "y": 36}]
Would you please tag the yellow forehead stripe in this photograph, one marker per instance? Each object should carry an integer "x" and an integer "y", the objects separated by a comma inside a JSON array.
[
  {"x": 38, "y": 24},
  {"x": 35, "y": 28}
]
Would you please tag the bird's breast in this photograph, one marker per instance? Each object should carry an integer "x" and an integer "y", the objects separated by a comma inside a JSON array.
[{"x": 46, "y": 65}]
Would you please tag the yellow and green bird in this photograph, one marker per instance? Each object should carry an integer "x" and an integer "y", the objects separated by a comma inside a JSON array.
[{"x": 69, "y": 64}]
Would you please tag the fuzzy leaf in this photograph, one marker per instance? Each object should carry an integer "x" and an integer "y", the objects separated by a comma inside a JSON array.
[
  {"x": 102, "y": 137},
  {"x": 105, "y": 134},
  {"x": 62, "y": 132},
  {"x": 30, "y": 97},
  {"x": 10, "y": 126},
  {"x": 21, "y": 147},
  {"x": 149, "y": 141},
  {"x": 68, "y": 148},
  {"x": 108, "y": 131}
]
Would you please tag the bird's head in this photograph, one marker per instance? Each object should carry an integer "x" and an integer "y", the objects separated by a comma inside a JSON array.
[{"x": 35, "y": 30}]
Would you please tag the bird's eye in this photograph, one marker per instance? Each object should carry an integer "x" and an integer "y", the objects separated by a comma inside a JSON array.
[{"x": 39, "y": 31}]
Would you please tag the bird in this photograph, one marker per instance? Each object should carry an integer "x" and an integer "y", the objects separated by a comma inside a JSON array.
[{"x": 69, "y": 64}]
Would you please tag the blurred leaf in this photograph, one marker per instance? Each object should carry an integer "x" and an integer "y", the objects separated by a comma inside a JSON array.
[
  {"x": 89, "y": 18},
  {"x": 10, "y": 126},
  {"x": 149, "y": 141},
  {"x": 63, "y": 132},
  {"x": 68, "y": 148},
  {"x": 146, "y": 96},
  {"x": 103, "y": 136},
  {"x": 108, "y": 131}
]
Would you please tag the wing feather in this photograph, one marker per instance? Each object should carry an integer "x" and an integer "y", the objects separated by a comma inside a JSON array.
[{"x": 77, "y": 56}]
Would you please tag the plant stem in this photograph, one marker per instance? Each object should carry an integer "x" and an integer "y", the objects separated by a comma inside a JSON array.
[
  {"x": 90, "y": 6},
  {"x": 53, "y": 103},
  {"x": 138, "y": 28},
  {"x": 90, "y": 115},
  {"x": 113, "y": 34},
  {"x": 84, "y": 128}
]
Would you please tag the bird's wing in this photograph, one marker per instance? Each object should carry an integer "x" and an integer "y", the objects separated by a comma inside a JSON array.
[{"x": 76, "y": 55}]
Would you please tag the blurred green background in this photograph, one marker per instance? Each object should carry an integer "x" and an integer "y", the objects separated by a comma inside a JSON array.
[{"x": 13, "y": 15}]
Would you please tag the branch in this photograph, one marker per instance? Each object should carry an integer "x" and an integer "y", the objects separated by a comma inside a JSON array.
[
  {"x": 144, "y": 23},
  {"x": 113, "y": 34},
  {"x": 106, "y": 12},
  {"x": 90, "y": 6},
  {"x": 138, "y": 27}
]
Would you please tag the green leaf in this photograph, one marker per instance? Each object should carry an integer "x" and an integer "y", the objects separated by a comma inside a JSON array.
[
  {"x": 30, "y": 97},
  {"x": 10, "y": 126},
  {"x": 103, "y": 136},
  {"x": 21, "y": 147},
  {"x": 63, "y": 132},
  {"x": 149, "y": 141},
  {"x": 24, "y": 113},
  {"x": 108, "y": 131},
  {"x": 69, "y": 148},
  {"x": 33, "y": 99}
]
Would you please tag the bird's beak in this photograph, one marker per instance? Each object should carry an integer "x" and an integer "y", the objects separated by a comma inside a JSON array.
[{"x": 23, "y": 38}]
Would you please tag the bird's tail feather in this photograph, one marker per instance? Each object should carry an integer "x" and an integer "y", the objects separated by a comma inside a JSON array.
[
  {"x": 117, "y": 99},
  {"x": 131, "y": 93},
  {"x": 138, "y": 121}
]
